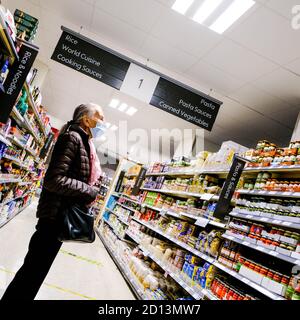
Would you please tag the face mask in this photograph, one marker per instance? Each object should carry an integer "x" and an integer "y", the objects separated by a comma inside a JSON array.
[{"x": 99, "y": 130}]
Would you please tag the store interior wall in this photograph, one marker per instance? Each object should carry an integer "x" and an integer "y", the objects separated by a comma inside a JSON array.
[
  {"x": 296, "y": 134},
  {"x": 41, "y": 75}
]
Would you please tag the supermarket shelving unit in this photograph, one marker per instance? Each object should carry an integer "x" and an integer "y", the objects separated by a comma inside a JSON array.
[
  {"x": 23, "y": 122},
  {"x": 200, "y": 294}
]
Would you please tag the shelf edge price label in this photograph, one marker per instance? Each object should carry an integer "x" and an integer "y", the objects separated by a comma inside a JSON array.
[
  {"x": 202, "y": 222},
  {"x": 207, "y": 196}
]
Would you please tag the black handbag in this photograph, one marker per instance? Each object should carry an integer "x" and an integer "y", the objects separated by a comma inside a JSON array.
[{"x": 77, "y": 224}]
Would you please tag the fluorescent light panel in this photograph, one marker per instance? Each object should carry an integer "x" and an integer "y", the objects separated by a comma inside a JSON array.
[
  {"x": 114, "y": 103},
  {"x": 231, "y": 14},
  {"x": 123, "y": 107},
  {"x": 182, "y": 6},
  {"x": 131, "y": 111},
  {"x": 206, "y": 9}
]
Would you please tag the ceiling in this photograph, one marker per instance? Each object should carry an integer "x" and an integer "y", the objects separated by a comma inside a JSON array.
[{"x": 254, "y": 67}]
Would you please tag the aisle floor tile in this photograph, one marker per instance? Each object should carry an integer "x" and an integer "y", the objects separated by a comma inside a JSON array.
[{"x": 80, "y": 271}]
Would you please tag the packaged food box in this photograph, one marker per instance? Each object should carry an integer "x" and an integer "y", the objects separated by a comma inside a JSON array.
[{"x": 21, "y": 14}]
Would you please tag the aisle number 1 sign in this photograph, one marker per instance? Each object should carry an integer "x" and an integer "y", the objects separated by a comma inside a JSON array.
[
  {"x": 140, "y": 83},
  {"x": 107, "y": 66}
]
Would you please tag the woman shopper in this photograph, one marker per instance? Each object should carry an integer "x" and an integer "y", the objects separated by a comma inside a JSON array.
[{"x": 68, "y": 180}]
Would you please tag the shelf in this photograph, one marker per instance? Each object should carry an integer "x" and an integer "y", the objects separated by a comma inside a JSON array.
[
  {"x": 270, "y": 193},
  {"x": 174, "y": 240},
  {"x": 196, "y": 294},
  {"x": 23, "y": 122},
  {"x": 32, "y": 152},
  {"x": 109, "y": 210},
  {"x": 131, "y": 175},
  {"x": 266, "y": 220},
  {"x": 123, "y": 221},
  {"x": 18, "y": 117},
  {"x": 215, "y": 263},
  {"x": 33, "y": 107},
  {"x": 25, "y": 183},
  {"x": 125, "y": 207},
  {"x": 113, "y": 229},
  {"x": 184, "y": 194},
  {"x": 30, "y": 129},
  {"x": 294, "y": 168},
  {"x": 15, "y": 161},
  {"x": 171, "y": 174},
  {"x": 14, "y": 199},
  {"x": 190, "y": 173},
  {"x": 127, "y": 276},
  {"x": 2, "y": 181},
  {"x": 17, "y": 142},
  {"x": 129, "y": 199},
  {"x": 248, "y": 282},
  {"x": 163, "y": 211},
  {"x": 211, "y": 222},
  {"x": 5, "y": 222},
  {"x": 4, "y": 140},
  {"x": 264, "y": 250},
  {"x": 119, "y": 218},
  {"x": 132, "y": 237}
]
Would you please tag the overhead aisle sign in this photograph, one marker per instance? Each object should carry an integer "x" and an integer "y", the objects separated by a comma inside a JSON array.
[
  {"x": 82, "y": 56},
  {"x": 195, "y": 108},
  {"x": 102, "y": 64}
]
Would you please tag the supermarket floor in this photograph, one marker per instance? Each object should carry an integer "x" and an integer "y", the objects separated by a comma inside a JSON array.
[{"x": 80, "y": 271}]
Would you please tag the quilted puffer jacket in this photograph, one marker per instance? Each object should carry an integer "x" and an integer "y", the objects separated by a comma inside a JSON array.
[{"x": 66, "y": 180}]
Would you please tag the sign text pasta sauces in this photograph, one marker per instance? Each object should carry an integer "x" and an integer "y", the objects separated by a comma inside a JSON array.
[{"x": 196, "y": 108}]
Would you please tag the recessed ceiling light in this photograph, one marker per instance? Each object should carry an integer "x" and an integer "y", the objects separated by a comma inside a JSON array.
[
  {"x": 114, "y": 128},
  {"x": 114, "y": 103},
  {"x": 206, "y": 9},
  {"x": 182, "y": 6},
  {"x": 231, "y": 14},
  {"x": 131, "y": 111},
  {"x": 123, "y": 107},
  {"x": 103, "y": 138},
  {"x": 108, "y": 125}
]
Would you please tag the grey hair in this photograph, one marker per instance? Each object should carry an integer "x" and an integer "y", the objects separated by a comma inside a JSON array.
[{"x": 84, "y": 109}]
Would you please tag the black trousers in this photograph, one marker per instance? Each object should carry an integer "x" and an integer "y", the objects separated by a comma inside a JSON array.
[{"x": 43, "y": 248}]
